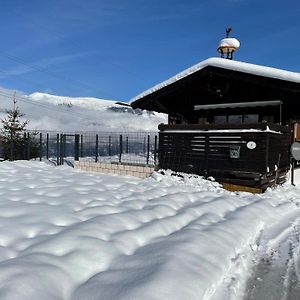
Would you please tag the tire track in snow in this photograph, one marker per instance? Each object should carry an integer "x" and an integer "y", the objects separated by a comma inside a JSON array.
[{"x": 276, "y": 274}]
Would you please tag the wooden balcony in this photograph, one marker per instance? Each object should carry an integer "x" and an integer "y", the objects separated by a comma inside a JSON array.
[{"x": 253, "y": 155}]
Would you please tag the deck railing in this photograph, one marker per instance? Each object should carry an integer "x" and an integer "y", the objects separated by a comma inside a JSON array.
[{"x": 250, "y": 154}]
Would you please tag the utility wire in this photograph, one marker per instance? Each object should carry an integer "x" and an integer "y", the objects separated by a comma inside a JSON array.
[
  {"x": 78, "y": 45},
  {"x": 26, "y": 81},
  {"x": 43, "y": 105},
  {"x": 50, "y": 73}
]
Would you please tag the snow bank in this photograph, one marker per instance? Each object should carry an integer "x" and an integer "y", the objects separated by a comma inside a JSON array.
[{"x": 67, "y": 234}]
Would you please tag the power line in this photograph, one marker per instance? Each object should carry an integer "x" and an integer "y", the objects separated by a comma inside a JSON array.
[
  {"x": 78, "y": 45},
  {"x": 26, "y": 80},
  {"x": 43, "y": 105},
  {"x": 50, "y": 73}
]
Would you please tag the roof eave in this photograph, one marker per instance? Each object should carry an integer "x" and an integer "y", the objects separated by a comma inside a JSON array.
[{"x": 224, "y": 64}]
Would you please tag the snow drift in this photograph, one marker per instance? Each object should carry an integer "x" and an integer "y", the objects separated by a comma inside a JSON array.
[{"x": 68, "y": 234}]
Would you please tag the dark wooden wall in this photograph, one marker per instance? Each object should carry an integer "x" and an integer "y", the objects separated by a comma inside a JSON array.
[
  {"x": 213, "y": 85},
  {"x": 210, "y": 153}
]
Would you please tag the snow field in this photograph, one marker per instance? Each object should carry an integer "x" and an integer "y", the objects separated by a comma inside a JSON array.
[
  {"x": 68, "y": 234},
  {"x": 59, "y": 113}
]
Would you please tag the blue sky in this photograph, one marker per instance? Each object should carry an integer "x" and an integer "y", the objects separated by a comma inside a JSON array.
[{"x": 115, "y": 49}]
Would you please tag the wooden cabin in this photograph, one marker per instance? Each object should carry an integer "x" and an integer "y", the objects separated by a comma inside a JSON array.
[{"x": 227, "y": 119}]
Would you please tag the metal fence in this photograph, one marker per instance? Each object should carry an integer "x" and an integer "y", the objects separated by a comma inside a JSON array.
[{"x": 60, "y": 148}]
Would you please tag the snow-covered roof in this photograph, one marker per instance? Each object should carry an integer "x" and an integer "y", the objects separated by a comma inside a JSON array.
[{"x": 229, "y": 65}]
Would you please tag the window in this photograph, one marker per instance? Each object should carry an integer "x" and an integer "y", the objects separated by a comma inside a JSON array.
[
  {"x": 250, "y": 119},
  {"x": 220, "y": 119},
  {"x": 235, "y": 119}
]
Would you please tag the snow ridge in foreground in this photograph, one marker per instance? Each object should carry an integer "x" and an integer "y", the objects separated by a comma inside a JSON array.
[{"x": 67, "y": 234}]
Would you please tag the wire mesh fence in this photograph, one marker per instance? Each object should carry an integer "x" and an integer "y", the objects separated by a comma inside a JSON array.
[
  {"x": 138, "y": 147},
  {"x": 117, "y": 147}
]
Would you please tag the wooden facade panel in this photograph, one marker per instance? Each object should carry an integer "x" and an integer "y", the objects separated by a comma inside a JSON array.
[{"x": 210, "y": 154}]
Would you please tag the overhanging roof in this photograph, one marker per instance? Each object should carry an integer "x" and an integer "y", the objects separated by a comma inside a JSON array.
[{"x": 221, "y": 63}]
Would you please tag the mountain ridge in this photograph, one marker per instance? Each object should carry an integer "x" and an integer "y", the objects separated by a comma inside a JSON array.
[{"x": 63, "y": 113}]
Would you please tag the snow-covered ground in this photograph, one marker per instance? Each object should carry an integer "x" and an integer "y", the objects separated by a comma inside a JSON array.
[
  {"x": 69, "y": 234},
  {"x": 60, "y": 113}
]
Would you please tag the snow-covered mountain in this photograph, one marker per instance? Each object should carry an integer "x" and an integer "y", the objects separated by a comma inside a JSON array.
[{"x": 60, "y": 113}]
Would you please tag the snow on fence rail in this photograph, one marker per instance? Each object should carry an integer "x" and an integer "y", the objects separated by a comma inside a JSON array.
[{"x": 138, "y": 148}]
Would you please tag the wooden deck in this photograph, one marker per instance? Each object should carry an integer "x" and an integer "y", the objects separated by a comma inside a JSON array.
[{"x": 224, "y": 152}]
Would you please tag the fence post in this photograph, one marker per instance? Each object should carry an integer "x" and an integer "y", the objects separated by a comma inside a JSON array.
[
  {"x": 81, "y": 145},
  {"x": 109, "y": 146},
  {"x": 28, "y": 146},
  {"x": 148, "y": 149},
  {"x": 97, "y": 141},
  {"x": 41, "y": 146},
  {"x": 121, "y": 148},
  {"x": 127, "y": 145},
  {"x": 155, "y": 149},
  {"x": 24, "y": 145},
  {"x": 61, "y": 150},
  {"x": 64, "y": 146},
  {"x": 57, "y": 149},
  {"x": 47, "y": 146},
  {"x": 144, "y": 146},
  {"x": 76, "y": 147}
]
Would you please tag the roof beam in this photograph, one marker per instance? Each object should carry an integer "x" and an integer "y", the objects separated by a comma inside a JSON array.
[{"x": 238, "y": 104}]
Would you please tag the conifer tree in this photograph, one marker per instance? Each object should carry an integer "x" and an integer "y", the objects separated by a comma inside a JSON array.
[{"x": 12, "y": 133}]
